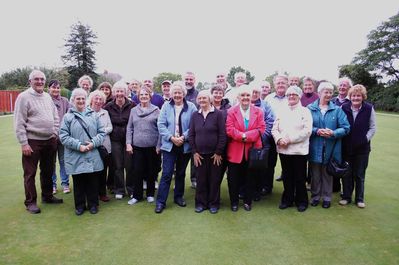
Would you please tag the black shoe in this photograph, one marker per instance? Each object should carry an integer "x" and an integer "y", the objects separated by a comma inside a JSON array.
[
  {"x": 79, "y": 211},
  {"x": 234, "y": 207},
  {"x": 314, "y": 203},
  {"x": 93, "y": 210},
  {"x": 283, "y": 206},
  {"x": 159, "y": 208},
  {"x": 53, "y": 200},
  {"x": 302, "y": 208},
  {"x": 247, "y": 207},
  {"x": 199, "y": 209},
  {"x": 32, "y": 208},
  {"x": 326, "y": 204},
  {"x": 213, "y": 210},
  {"x": 181, "y": 202}
]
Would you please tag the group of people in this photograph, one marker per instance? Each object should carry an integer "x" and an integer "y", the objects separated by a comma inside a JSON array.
[{"x": 122, "y": 136}]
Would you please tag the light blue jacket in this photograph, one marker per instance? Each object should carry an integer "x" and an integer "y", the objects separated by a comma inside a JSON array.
[
  {"x": 72, "y": 136},
  {"x": 166, "y": 124},
  {"x": 320, "y": 148}
]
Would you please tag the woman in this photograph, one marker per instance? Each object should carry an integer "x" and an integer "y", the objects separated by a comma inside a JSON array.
[
  {"x": 309, "y": 95},
  {"x": 244, "y": 126},
  {"x": 106, "y": 88},
  {"x": 85, "y": 82},
  {"x": 291, "y": 132},
  {"x": 329, "y": 126},
  {"x": 141, "y": 139},
  {"x": 173, "y": 126},
  {"x": 361, "y": 116},
  {"x": 119, "y": 112},
  {"x": 207, "y": 138},
  {"x": 81, "y": 133},
  {"x": 96, "y": 102}
]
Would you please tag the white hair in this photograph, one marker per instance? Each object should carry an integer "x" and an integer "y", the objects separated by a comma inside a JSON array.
[
  {"x": 85, "y": 77},
  {"x": 178, "y": 84},
  {"x": 77, "y": 92},
  {"x": 119, "y": 85},
  {"x": 325, "y": 85},
  {"x": 346, "y": 79},
  {"x": 36, "y": 72}
]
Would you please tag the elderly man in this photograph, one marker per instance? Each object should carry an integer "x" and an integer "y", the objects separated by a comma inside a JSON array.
[
  {"x": 240, "y": 78},
  {"x": 36, "y": 126},
  {"x": 85, "y": 82},
  {"x": 344, "y": 84},
  {"x": 265, "y": 89},
  {"x": 192, "y": 92},
  {"x": 165, "y": 87}
]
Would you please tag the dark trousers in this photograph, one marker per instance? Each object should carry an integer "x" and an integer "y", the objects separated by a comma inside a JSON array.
[
  {"x": 294, "y": 167},
  {"x": 85, "y": 188},
  {"x": 240, "y": 173},
  {"x": 207, "y": 193},
  {"x": 146, "y": 167},
  {"x": 169, "y": 160},
  {"x": 193, "y": 171},
  {"x": 110, "y": 173},
  {"x": 43, "y": 152},
  {"x": 267, "y": 176},
  {"x": 355, "y": 180},
  {"x": 102, "y": 182},
  {"x": 122, "y": 160}
]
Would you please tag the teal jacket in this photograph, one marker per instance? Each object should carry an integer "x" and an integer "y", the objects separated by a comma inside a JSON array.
[
  {"x": 320, "y": 148},
  {"x": 72, "y": 136}
]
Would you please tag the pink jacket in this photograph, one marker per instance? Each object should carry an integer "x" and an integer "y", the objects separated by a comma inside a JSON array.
[{"x": 235, "y": 128}]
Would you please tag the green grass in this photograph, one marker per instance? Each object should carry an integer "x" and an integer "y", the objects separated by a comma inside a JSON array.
[{"x": 122, "y": 234}]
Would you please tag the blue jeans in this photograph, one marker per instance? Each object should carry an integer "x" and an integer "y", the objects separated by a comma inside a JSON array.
[
  {"x": 355, "y": 180},
  {"x": 169, "y": 159},
  {"x": 63, "y": 176}
]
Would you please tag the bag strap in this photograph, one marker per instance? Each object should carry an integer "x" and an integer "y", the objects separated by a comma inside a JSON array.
[
  {"x": 260, "y": 135},
  {"x": 333, "y": 148},
  {"x": 84, "y": 128}
]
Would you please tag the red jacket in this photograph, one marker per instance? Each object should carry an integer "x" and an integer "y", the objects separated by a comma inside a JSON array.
[{"x": 235, "y": 128}]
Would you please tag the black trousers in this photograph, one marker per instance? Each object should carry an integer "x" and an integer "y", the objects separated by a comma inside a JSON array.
[
  {"x": 102, "y": 181},
  {"x": 146, "y": 167},
  {"x": 240, "y": 173},
  {"x": 85, "y": 189},
  {"x": 267, "y": 176},
  {"x": 207, "y": 193},
  {"x": 294, "y": 167},
  {"x": 122, "y": 161}
]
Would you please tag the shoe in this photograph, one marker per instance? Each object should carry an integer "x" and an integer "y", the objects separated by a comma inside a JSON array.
[
  {"x": 66, "y": 189},
  {"x": 283, "y": 206},
  {"x": 159, "y": 208},
  {"x": 93, "y": 210},
  {"x": 361, "y": 205},
  {"x": 32, "y": 208},
  {"x": 193, "y": 184},
  {"x": 181, "y": 202},
  {"x": 79, "y": 211},
  {"x": 314, "y": 203},
  {"x": 144, "y": 185},
  {"x": 104, "y": 198},
  {"x": 234, "y": 208},
  {"x": 241, "y": 196},
  {"x": 156, "y": 185},
  {"x": 150, "y": 199},
  {"x": 118, "y": 196},
  {"x": 213, "y": 210},
  {"x": 247, "y": 207},
  {"x": 199, "y": 209},
  {"x": 343, "y": 202},
  {"x": 132, "y": 201},
  {"x": 54, "y": 190},
  {"x": 326, "y": 204},
  {"x": 302, "y": 208},
  {"x": 280, "y": 178},
  {"x": 53, "y": 199}
]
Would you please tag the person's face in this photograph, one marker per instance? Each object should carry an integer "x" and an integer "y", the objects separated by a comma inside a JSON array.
[
  {"x": 265, "y": 90},
  {"x": 178, "y": 95},
  {"x": 54, "y": 90},
  {"x": 281, "y": 86},
  {"x": 255, "y": 95},
  {"x": 85, "y": 84},
  {"x": 343, "y": 88},
  {"x": 166, "y": 89},
  {"x": 149, "y": 84},
  {"x": 120, "y": 94},
  {"x": 217, "y": 96},
  {"x": 245, "y": 99},
  {"x": 308, "y": 87},
  {"x": 326, "y": 95},
  {"x": 189, "y": 81},
  {"x": 144, "y": 97},
  {"x": 203, "y": 101},
  {"x": 294, "y": 81},
  {"x": 97, "y": 103},
  {"x": 37, "y": 82},
  {"x": 106, "y": 90},
  {"x": 240, "y": 80},
  {"x": 293, "y": 99},
  {"x": 80, "y": 102},
  {"x": 356, "y": 99},
  {"x": 220, "y": 79}
]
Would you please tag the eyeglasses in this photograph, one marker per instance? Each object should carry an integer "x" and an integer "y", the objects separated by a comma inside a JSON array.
[
  {"x": 39, "y": 79},
  {"x": 292, "y": 95}
]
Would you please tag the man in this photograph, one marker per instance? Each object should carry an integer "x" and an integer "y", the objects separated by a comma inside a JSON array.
[
  {"x": 240, "y": 78},
  {"x": 156, "y": 99},
  {"x": 265, "y": 89},
  {"x": 221, "y": 80},
  {"x": 294, "y": 81},
  {"x": 165, "y": 87},
  {"x": 36, "y": 125},
  {"x": 189, "y": 80},
  {"x": 133, "y": 87},
  {"x": 343, "y": 88}
]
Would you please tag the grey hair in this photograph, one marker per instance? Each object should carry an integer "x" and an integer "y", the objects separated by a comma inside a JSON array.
[
  {"x": 280, "y": 76},
  {"x": 119, "y": 85},
  {"x": 346, "y": 79},
  {"x": 77, "y": 92},
  {"x": 94, "y": 94},
  {"x": 325, "y": 85},
  {"x": 206, "y": 93},
  {"x": 85, "y": 77},
  {"x": 35, "y": 72},
  {"x": 177, "y": 84},
  {"x": 307, "y": 78}
]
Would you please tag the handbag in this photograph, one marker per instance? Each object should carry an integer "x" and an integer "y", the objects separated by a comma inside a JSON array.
[
  {"x": 258, "y": 157},
  {"x": 336, "y": 169},
  {"x": 101, "y": 149}
]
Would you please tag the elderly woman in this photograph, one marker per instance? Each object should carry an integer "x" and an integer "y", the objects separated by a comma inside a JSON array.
[
  {"x": 291, "y": 131},
  {"x": 85, "y": 82},
  {"x": 106, "y": 88},
  {"x": 96, "y": 102},
  {"x": 329, "y": 126},
  {"x": 356, "y": 150},
  {"x": 207, "y": 138},
  {"x": 173, "y": 127},
  {"x": 244, "y": 126},
  {"x": 141, "y": 139},
  {"x": 119, "y": 111},
  {"x": 309, "y": 95},
  {"x": 81, "y": 133}
]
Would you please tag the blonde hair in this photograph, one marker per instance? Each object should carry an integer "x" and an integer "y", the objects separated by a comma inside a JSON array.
[
  {"x": 94, "y": 94},
  {"x": 358, "y": 89}
]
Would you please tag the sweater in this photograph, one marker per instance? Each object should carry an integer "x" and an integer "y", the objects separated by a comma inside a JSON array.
[
  {"x": 35, "y": 117},
  {"x": 308, "y": 99},
  {"x": 142, "y": 129}
]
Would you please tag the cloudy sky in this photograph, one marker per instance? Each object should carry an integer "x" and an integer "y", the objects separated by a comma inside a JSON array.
[{"x": 143, "y": 38}]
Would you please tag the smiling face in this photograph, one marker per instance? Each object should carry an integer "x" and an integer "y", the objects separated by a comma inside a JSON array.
[
  {"x": 343, "y": 88},
  {"x": 281, "y": 86},
  {"x": 203, "y": 101},
  {"x": 265, "y": 90},
  {"x": 144, "y": 97},
  {"x": 245, "y": 99},
  {"x": 308, "y": 87},
  {"x": 54, "y": 90},
  {"x": 80, "y": 102},
  {"x": 356, "y": 99},
  {"x": 325, "y": 95},
  {"x": 106, "y": 90},
  {"x": 221, "y": 79},
  {"x": 294, "y": 81},
  {"x": 37, "y": 82},
  {"x": 240, "y": 79},
  {"x": 255, "y": 95},
  {"x": 293, "y": 99},
  {"x": 97, "y": 103},
  {"x": 217, "y": 96},
  {"x": 189, "y": 80},
  {"x": 166, "y": 90},
  {"x": 85, "y": 84},
  {"x": 178, "y": 95}
]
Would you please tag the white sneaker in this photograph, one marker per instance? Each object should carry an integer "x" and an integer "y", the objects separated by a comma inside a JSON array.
[
  {"x": 156, "y": 185},
  {"x": 132, "y": 201},
  {"x": 54, "y": 190},
  {"x": 361, "y": 205},
  {"x": 144, "y": 185},
  {"x": 150, "y": 199},
  {"x": 67, "y": 189},
  {"x": 118, "y": 196},
  {"x": 343, "y": 202}
]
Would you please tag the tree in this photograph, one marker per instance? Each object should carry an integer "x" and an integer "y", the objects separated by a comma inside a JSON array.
[
  {"x": 80, "y": 54},
  {"x": 165, "y": 76},
  {"x": 382, "y": 52},
  {"x": 359, "y": 75},
  {"x": 235, "y": 69}
]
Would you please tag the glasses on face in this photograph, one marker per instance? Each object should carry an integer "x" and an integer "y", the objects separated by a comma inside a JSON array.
[
  {"x": 292, "y": 95},
  {"x": 39, "y": 79}
]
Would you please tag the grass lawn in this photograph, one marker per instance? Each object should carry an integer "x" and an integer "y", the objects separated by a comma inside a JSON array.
[{"x": 122, "y": 234}]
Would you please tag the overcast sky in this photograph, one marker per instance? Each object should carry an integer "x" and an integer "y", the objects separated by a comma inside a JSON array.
[{"x": 143, "y": 38}]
